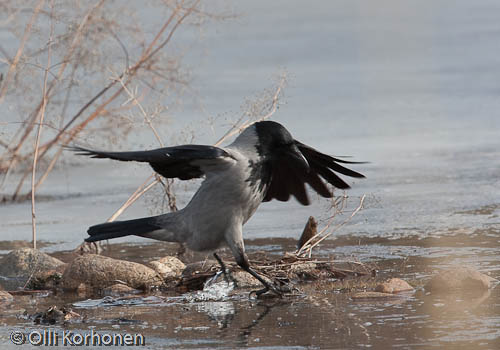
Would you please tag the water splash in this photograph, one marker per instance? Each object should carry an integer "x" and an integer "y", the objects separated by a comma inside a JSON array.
[
  {"x": 213, "y": 290},
  {"x": 121, "y": 301}
]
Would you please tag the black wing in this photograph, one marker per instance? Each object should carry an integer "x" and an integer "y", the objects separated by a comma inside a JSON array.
[
  {"x": 288, "y": 179},
  {"x": 183, "y": 162}
]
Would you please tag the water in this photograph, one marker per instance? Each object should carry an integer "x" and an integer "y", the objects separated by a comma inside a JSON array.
[
  {"x": 411, "y": 87},
  {"x": 319, "y": 316}
]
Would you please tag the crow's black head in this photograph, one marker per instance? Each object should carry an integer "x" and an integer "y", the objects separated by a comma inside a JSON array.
[
  {"x": 275, "y": 143},
  {"x": 272, "y": 136}
]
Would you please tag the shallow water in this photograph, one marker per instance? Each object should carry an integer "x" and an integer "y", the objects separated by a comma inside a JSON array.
[
  {"x": 409, "y": 86},
  {"x": 316, "y": 317}
]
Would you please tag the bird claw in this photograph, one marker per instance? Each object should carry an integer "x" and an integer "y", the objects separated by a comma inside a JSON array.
[{"x": 276, "y": 290}]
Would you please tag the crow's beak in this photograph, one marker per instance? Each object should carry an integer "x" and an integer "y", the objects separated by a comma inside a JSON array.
[{"x": 298, "y": 159}]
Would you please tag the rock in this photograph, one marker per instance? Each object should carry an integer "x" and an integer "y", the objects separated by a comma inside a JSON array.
[
  {"x": 27, "y": 260},
  {"x": 118, "y": 290},
  {"x": 373, "y": 295},
  {"x": 169, "y": 267},
  {"x": 394, "y": 285},
  {"x": 460, "y": 279},
  {"x": 5, "y": 297},
  {"x": 46, "y": 280},
  {"x": 245, "y": 280},
  {"x": 98, "y": 272},
  {"x": 27, "y": 263}
]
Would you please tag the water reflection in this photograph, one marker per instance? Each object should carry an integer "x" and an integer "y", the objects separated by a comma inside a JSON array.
[{"x": 323, "y": 316}]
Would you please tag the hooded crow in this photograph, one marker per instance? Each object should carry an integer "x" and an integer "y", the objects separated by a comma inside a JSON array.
[{"x": 263, "y": 163}]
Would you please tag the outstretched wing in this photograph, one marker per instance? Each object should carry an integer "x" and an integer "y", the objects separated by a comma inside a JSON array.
[
  {"x": 289, "y": 179},
  {"x": 183, "y": 162}
]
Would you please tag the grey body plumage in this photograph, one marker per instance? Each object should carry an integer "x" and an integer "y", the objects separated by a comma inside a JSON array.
[{"x": 263, "y": 163}]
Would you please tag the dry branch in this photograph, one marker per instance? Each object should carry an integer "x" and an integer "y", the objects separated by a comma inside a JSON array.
[
  {"x": 69, "y": 131},
  {"x": 13, "y": 154},
  {"x": 39, "y": 132},
  {"x": 15, "y": 61},
  {"x": 326, "y": 232}
]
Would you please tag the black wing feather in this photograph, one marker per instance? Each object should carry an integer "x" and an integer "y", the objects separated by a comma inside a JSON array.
[
  {"x": 285, "y": 182},
  {"x": 324, "y": 160},
  {"x": 288, "y": 180},
  {"x": 181, "y": 162},
  {"x": 319, "y": 186}
]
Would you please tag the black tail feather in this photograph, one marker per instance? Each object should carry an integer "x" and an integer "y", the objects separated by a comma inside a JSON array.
[{"x": 121, "y": 228}]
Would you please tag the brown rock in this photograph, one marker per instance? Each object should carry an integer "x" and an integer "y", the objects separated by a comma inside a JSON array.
[
  {"x": 460, "y": 279},
  {"x": 169, "y": 267},
  {"x": 245, "y": 280},
  {"x": 5, "y": 297},
  {"x": 27, "y": 263},
  {"x": 99, "y": 272},
  {"x": 46, "y": 280},
  {"x": 394, "y": 285}
]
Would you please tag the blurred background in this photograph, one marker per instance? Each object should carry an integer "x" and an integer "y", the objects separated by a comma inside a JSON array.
[{"x": 412, "y": 87}]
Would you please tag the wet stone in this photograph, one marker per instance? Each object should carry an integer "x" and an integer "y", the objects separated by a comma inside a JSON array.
[
  {"x": 245, "y": 280},
  {"x": 460, "y": 279},
  {"x": 22, "y": 264},
  {"x": 169, "y": 267},
  {"x": 98, "y": 272},
  {"x": 394, "y": 285}
]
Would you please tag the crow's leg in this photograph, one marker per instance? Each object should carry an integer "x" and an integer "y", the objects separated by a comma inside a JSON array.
[
  {"x": 235, "y": 241},
  {"x": 267, "y": 286},
  {"x": 227, "y": 274}
]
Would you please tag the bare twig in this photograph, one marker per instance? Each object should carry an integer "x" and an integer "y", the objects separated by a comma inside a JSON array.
[
  {"x": 135, "y": 196},
  {"x": 133, "y": 97},
  {"x": 15, "y": 61},
  {"x": 11, "y": 70},
  {"x": 307, "y": 247},
  {"x": 236, "y": 129},
  {"x": 169, "y": 192},
  {"x": 65, "y": 136},
  {"x": 143, "y": 188},
  {"x": 39, "y": 132},
  {"x": 27, "y": 131}
]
